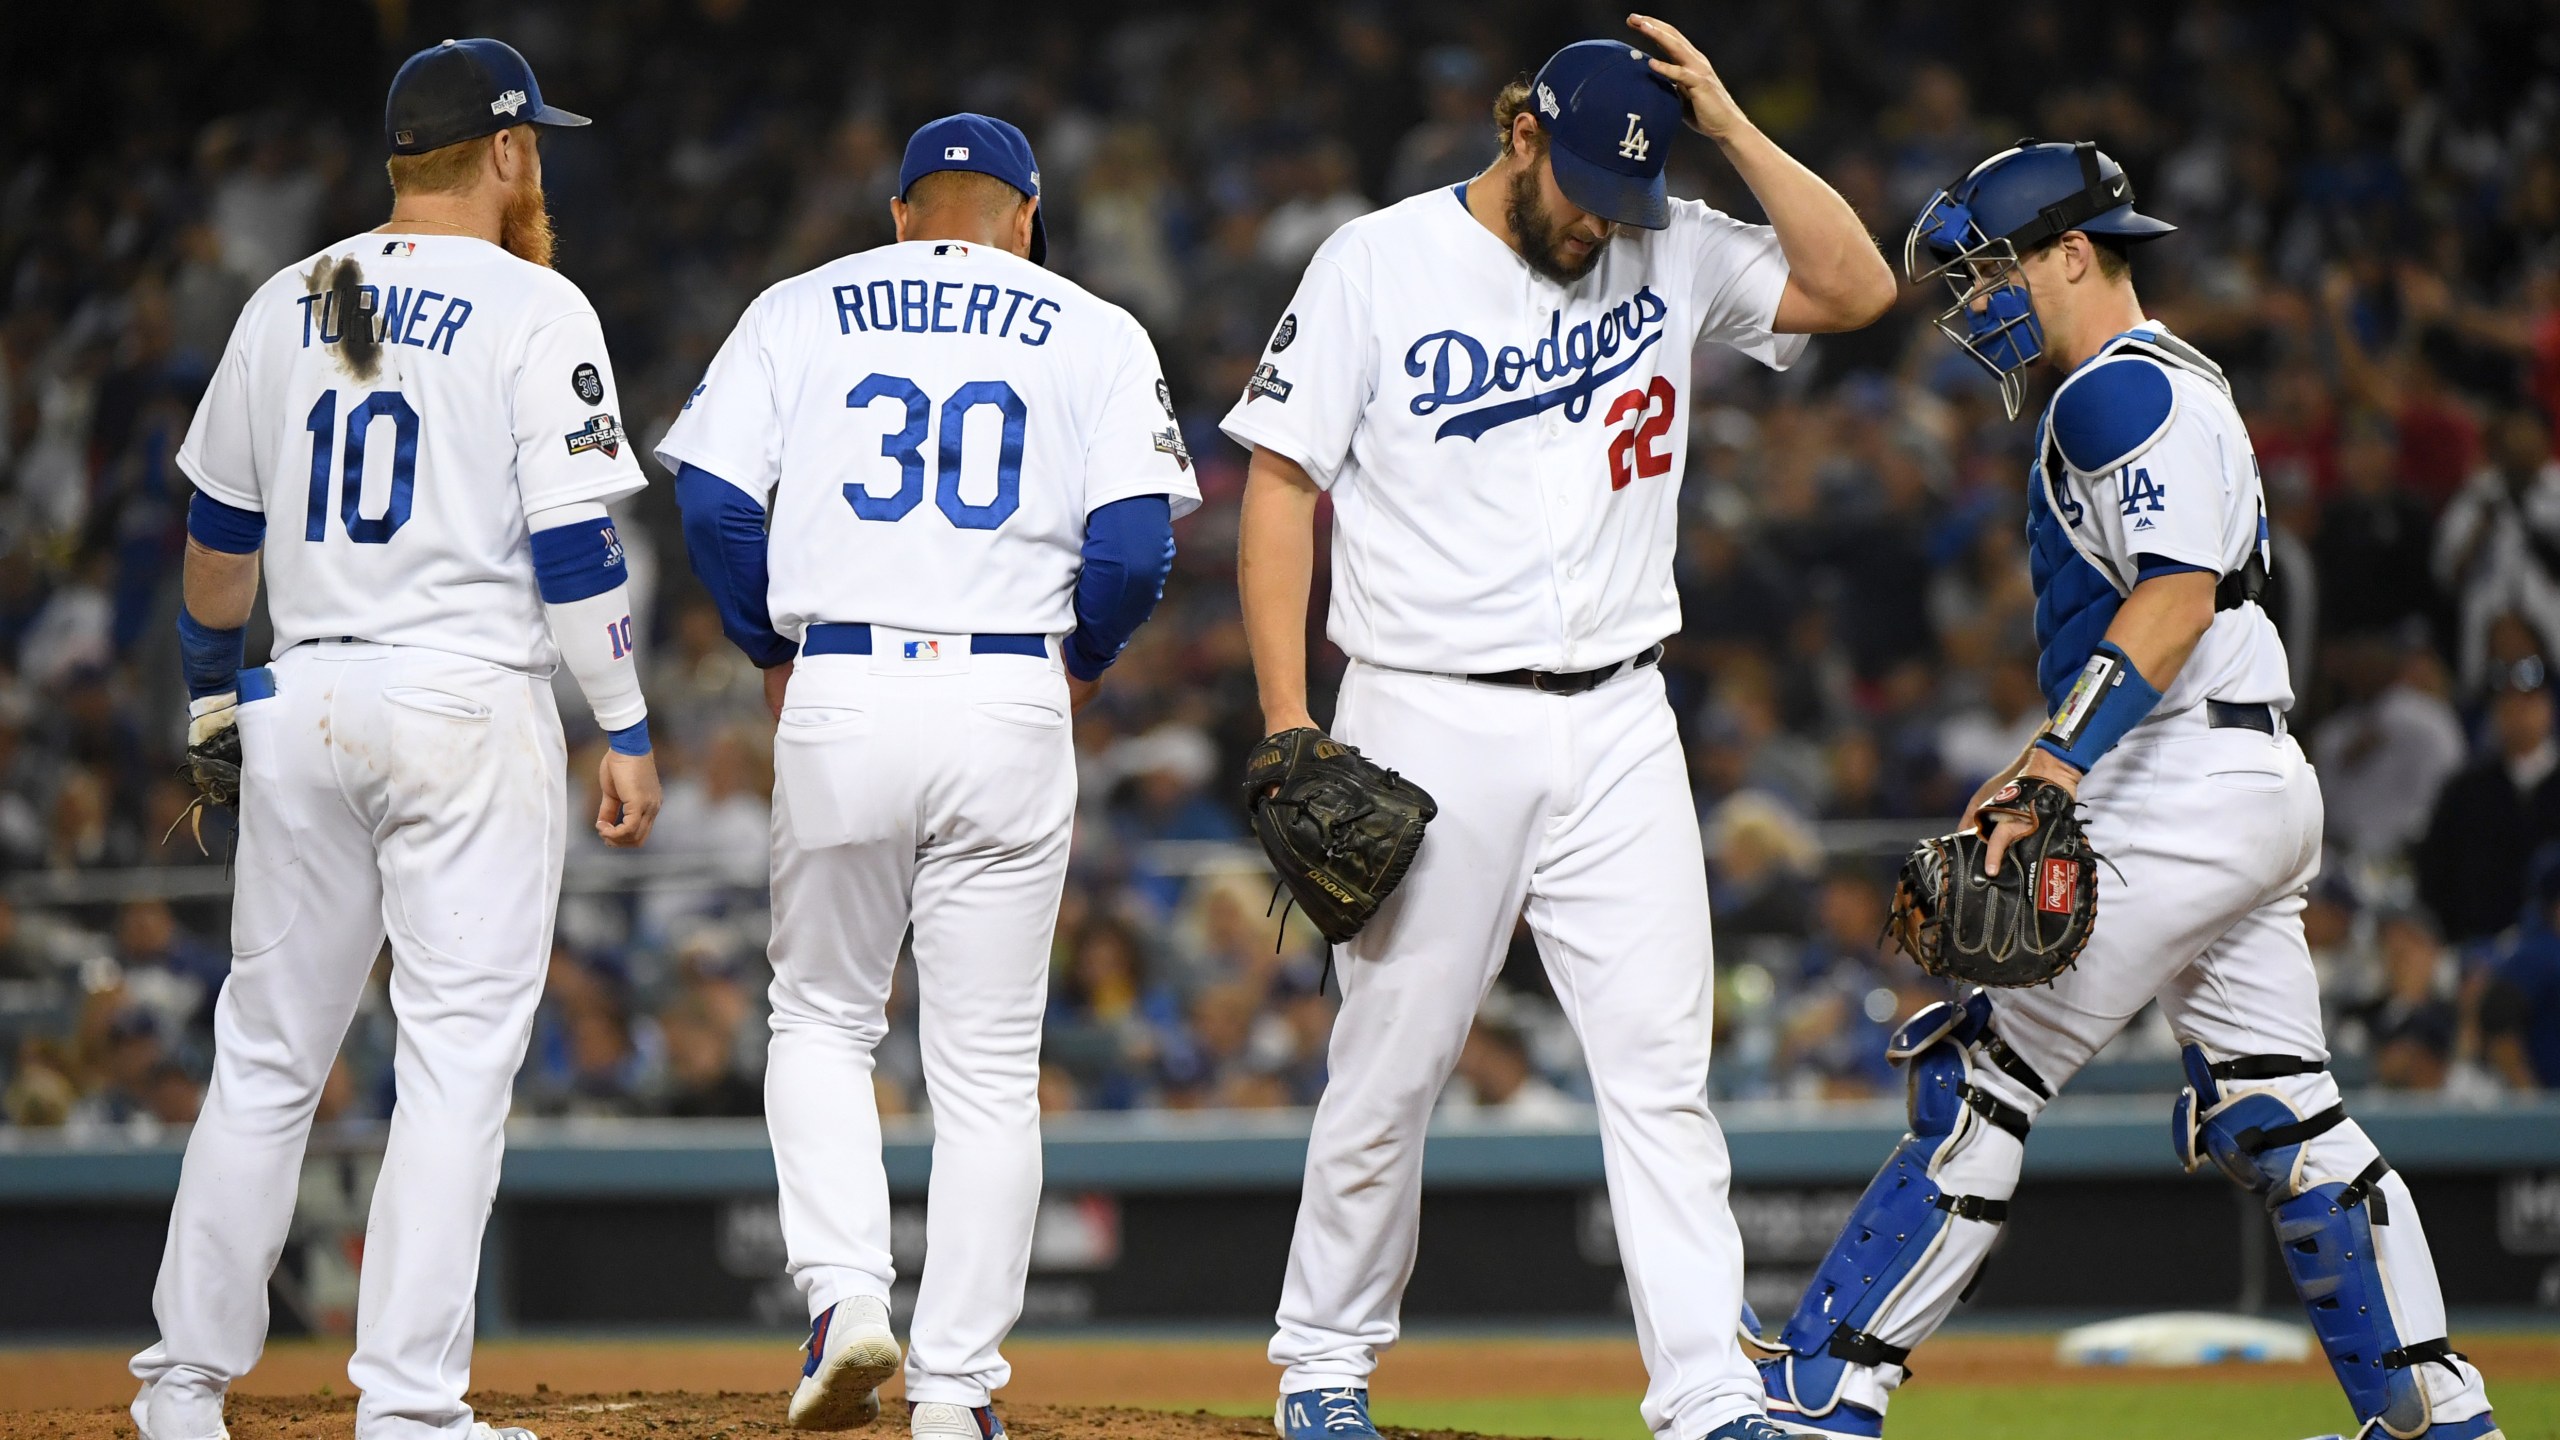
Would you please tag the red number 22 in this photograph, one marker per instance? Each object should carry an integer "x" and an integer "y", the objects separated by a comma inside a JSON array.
[{"x": 1641, "y": 443}]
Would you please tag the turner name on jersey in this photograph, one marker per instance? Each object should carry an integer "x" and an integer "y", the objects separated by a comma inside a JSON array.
[
  {"x": 353, "y": 407},
  {"x": 927, "y": 425}
]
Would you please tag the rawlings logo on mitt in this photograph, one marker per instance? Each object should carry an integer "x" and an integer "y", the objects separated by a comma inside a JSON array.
[
  {"x": 1340, "y": 831},
  {"x": 2025, "y": 925}
]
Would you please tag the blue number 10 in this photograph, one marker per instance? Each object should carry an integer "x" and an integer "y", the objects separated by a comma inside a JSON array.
[
  {"x": 323, "y": 424},
  {"x": 906, "y": 446}
]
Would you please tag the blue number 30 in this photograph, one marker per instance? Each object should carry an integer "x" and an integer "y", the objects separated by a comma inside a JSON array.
[
  {"x": 388, "y": 405},
  {"x": 906, "y": 446}
]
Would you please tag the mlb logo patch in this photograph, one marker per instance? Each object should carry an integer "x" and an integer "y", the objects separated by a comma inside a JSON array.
[
  {"x": 2058, "y": 887},
  {"x": 955, "y": 152},
  {"x": 400, "y": 247},
  {"x": 924, "y": 649}
]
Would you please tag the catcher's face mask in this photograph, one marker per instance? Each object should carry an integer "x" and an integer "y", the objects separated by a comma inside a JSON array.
[{"x": 1993, "y": 319}]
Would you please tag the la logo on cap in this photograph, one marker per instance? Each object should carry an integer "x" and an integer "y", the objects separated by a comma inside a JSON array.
[{"x": 955, "y": 152}]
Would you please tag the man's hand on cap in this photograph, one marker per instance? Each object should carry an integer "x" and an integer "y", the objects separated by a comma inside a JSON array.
[{"x": 1710, "y": 111}]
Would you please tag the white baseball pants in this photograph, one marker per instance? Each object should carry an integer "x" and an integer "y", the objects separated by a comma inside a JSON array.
[
  {"x": 1578, "y": 807},
  {"x": 387, "y": 790},
  {"x": 939, "y": 793}
]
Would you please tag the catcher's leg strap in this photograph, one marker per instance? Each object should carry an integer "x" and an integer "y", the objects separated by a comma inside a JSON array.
[
  {"x": 1903, "y": 1261},
  {"x": 2335, "y": 1237}
]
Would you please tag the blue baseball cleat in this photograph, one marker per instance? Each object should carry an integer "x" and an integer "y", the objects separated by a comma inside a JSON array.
[
  {"x": 2483, "y": 1426},
  {"x": 850, "y": 1352},
  {"x": 1749, "y": 1427},
  {"x": 1324, "y": 1415},
  {"x": 1843, "y": 1421}
]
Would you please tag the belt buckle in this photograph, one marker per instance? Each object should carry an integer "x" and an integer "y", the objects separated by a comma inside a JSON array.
[{"x": 1538, "y": 681}]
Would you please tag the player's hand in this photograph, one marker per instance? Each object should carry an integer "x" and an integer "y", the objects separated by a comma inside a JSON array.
[
  {"x": 1080, "y": 693},
  {"x": 2011, "y": 829},
  {"x": 776, "y": 682},
  {"x": 1711, "y": 111},
  {"x": 631, "y": 799}
]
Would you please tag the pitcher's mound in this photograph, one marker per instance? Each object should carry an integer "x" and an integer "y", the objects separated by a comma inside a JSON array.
[{"x": 678, "y": 1415}]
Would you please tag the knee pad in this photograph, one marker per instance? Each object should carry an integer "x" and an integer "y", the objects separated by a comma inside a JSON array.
[
  {"x": 1900, "y": 1223},
  {"x": 2254, "y": 1117}
]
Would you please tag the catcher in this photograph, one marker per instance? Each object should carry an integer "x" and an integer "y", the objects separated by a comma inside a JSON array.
[{"x": 2169, "y": 689}]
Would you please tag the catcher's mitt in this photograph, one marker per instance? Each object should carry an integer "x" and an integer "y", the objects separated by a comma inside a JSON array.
[
  {"x": 1340, "y": 830},
  {"x": 2025, "y": 925}
]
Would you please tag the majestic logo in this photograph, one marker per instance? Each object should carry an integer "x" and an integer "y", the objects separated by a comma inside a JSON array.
[
  {"x": 601, "y": 432},
  {"x": 923, "y": 649},
  {"x": 1635, "y": 146},
  {"x": 1462, "y": 371},
  {"x": 1266, "y": 381},
  {"x": 2058, "y": 887},
  {"x": 587, "y": 382},
  {"x": 508, "y": 104},
  {"x": 955, "y": 152},
  {"x": 1287, "y": 332},
  {"x": 1547, "y": 102}
]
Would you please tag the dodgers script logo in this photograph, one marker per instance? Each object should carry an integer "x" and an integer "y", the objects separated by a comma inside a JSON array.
[{"x": 1462, "y": 372}]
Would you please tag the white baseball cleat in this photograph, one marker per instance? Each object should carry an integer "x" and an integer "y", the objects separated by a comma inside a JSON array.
[
  {"x": 850, "y": 1352},
  {"x": 934, "y": 1420},
  {"x": 483, "y": 1430}
]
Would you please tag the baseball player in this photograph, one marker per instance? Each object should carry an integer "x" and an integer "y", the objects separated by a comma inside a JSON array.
[
  {"x": 2168, "y": 689},
  {"x": 932, "y": 488},
  {"x": 1492, "y": 382},
  {"x": 426, "y": 415}
]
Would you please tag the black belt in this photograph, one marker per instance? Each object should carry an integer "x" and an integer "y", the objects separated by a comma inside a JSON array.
[
  {"x": 2222, "y": 715},
  {"x": 1572, "y": 682},
  {"x": 831, "y": 639}
]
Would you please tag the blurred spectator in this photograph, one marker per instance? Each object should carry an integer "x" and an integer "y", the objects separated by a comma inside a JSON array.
[
  {"x": 2505, "y": 805},
  {"x": 2376, "y": 540},
  {"x": 1494, "y": 1080},
  {"x": 2497, "y": 550},
  {"x": 2519, "y": 998},
  {"x": 702, "y": 1076},
  {"x": 1457, "y": 139},
  {"x": 2410, "y": 1027},
  {"x": 2385, "y": 754}
]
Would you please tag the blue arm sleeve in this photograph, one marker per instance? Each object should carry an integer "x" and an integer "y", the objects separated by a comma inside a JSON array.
[
  {"x": 226, "y": 528},
  {"x": 724, "y": 538},
  {"x": 1128, "y": 550},
  {"x": 577, "y": 561}
]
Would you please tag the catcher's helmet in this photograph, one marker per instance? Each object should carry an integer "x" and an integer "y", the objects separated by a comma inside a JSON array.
[{"x": 1973, "y": 232}]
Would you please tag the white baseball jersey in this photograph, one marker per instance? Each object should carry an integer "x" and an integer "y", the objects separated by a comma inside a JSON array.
[
  {"x": 396, "y": 484},
  {"x": 2155, "y": 462},
  {"x": 1504, "y": 453},
  {"x": 928, "y": 424}
]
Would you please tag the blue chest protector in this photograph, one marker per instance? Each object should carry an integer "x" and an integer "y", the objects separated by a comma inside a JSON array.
[{"x": 2074, "y": 602}]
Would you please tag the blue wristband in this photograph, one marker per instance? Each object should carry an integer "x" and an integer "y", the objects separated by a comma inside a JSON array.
[
  {"x": 226, "y": 528},
  {"x": 210, "y": 657},
  {"x": 632, "y": 739},
  {"x": 2108, "y": 699}
]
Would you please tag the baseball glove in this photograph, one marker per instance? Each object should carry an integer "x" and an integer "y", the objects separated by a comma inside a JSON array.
[
  {"x": 212, "y": 767},
  {"x": 1340, "y": 831},
  {"x": 2025, "y": 925}
]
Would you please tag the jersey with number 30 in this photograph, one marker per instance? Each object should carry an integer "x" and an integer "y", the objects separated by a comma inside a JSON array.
[
  {"x": 1504, "y": 452},
  {"x": 927, "y": 424},
  {"x": 396, "y": 478}
]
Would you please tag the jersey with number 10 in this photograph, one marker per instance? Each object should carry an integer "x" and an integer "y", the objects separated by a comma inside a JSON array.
[
  {"x": 396, "y": 476},
  {"x": 928, "y": 424},
  {"x": 1504, "y": 452}
]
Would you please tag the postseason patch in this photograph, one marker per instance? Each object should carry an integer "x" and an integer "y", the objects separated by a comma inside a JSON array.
[
  {"x": 1266, "y": 381},
  {"x": 601, "y": 432},
  {"x": 1169, "y": 442},
  {"x": 1287, "y": 332},
  {"x": 588, "y": 384}
]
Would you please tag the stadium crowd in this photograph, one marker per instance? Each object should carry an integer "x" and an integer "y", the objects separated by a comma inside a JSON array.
[{"x": 2370, "y": 202}]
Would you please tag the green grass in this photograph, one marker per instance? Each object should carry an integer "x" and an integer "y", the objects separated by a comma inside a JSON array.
[{"x": 2155, "y": 1410}]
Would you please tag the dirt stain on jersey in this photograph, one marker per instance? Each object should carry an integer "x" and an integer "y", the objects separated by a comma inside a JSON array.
[{"x": 358, "y": 347}]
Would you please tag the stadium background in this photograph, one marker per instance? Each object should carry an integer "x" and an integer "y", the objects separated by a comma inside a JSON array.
[{"x": 2370, "y": 202}]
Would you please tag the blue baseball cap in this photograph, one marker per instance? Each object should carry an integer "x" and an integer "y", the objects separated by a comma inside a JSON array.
[
  {"x": 1608, "y": 117},
  {"x": 986, "y": 145},
  {"x": 461, "y": 90}
]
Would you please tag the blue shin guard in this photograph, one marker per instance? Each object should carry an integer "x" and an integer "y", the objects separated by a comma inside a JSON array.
[
  {"x": 2329, "y": 1233},
  {"x": 1901, "y": 1227}
]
